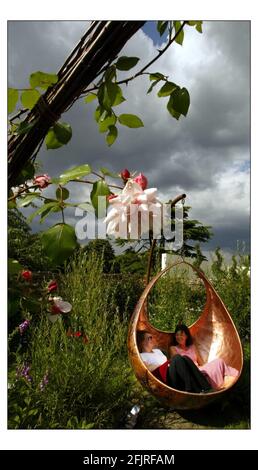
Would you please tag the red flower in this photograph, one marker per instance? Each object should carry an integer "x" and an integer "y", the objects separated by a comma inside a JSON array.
[
  {"x": 55, "y": 309},
  {"x": 141, "y": 180},
  {"x": 52, "y": 286},
  {"x": 27, "y": 275},
  {"x": 125, "y": 174},
  {"x": 42, "y": 181},
  {"x": 77, "y": 334}
]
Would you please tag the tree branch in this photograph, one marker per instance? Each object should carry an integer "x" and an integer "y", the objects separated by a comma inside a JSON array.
[{"x": 141, "y": 72}]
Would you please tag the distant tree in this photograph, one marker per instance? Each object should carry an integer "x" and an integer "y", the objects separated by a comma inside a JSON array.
[
  {"x": 24, "y": 246},
  {"x": 194, "y": 231},
  {"x": 199, "y": 256},
  {"x": 132, "y": 262}
]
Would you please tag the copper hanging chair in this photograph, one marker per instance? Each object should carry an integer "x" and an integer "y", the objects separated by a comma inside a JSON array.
[{"x": 214, "y": 333}]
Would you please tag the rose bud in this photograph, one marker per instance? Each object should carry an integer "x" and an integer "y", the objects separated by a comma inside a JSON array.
[
  {"x": 141, "y": 180},
  {"x": 42, "y": 181},
  {"x": 125, "y": 174},
  {"x": 27, "y": 275},
  {"x": 52, "y": 286}
]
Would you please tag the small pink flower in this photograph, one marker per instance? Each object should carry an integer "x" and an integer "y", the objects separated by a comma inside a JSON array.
[
  {"x": 27, "y": 275},
  {"x": 52, "y": 286},
  {"x": 141, "y": 180},
  {"x": 42, "y": 181},
  {"x": 125, "y": 174}
]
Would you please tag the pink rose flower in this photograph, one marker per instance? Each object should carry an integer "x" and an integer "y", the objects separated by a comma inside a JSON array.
[
  {"x": 42, "y": 181},
  {"x": 141, "y": 180}
]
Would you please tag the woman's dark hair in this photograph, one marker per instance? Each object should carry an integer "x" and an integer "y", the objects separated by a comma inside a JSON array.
[
  {"x": 140, "y": 336},
  {"x": 185, "y": 329}
]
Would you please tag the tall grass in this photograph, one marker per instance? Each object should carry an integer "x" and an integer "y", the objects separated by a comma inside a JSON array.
[
  {"x": 176, "y": 298},
  {"x": 89, "y": 380}
]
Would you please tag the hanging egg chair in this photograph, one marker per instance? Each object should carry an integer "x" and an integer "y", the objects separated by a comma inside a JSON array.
[{"x": 215, "y": 336}]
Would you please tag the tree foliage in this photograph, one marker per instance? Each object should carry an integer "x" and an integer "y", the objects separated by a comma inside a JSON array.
[{"x": 24, "y": 246}]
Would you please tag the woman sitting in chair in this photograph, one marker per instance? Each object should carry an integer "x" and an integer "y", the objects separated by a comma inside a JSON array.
[
  {"x": 179, "y": 373},
  {"x": 217, "y": 372}
]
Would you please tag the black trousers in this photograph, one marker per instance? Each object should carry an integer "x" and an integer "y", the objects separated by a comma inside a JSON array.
[{"x": 184, "y": 375}]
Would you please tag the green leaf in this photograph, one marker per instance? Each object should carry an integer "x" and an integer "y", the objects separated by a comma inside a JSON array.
[
  {"x": 130, "y": 120},
  {"x": 13, "y": 96},
  {"x": 109, "y": 121},
  {"x": 156, "y": 76},
  {"x": 152, "y": 86},
  {"x": 119, "y": 97},
  {"x": 97, "y": 114},
  {"x": 90, "y": 97},
  {"x": 161, "y": 27},
  {"x": 59, "y": 242},
  {"x": 114, "y": 93},
  {"x": 29, "y": 98},
  {"x": 51, "y": 140},
  {"x": 180, "y": 38},
  {"x": 63, "y": 132},
  {"x": 174, "y": 114},
  {"x": 197, "y": 24},
  {"x": 24, "y": 127},
  {"x": 42, "y": 80},
  {"x": 48, "y": 210},
  {"x": 108, "y": 93},
  {"x": 86, "y": 206},
  {"x": 100, "y": 188},
  {"x": 43, "y": 208},
  {"x": 181, "y": 101},
  {"x": 107, "y": 172},
  {"x": 112, "y": 135},
  {"x": 62, "y": 194},
  {"x": 126, "y": 63},
  {"x": 74, "y": 173},
  {"x": 26, "y": 201},
  {"x": 14, "y": 267},
  {"x": 167, "y": 89},
  {"x": 101, "y": 94},
  {"x": 110, "y": 73}
]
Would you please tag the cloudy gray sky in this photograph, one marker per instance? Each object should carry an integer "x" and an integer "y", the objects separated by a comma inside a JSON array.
[{"x": 206, "y": 155}]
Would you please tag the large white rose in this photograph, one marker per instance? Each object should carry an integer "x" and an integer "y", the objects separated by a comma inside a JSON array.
[{"x": 132, "y": 212}]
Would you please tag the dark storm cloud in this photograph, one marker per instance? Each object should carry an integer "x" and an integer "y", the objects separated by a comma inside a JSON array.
[{"x": 204, "y": 154}]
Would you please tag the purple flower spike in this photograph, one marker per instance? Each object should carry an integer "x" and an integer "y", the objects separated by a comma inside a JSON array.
[
  {"x": 43, "y": 382},
  {"x": 23, "y": 326}
]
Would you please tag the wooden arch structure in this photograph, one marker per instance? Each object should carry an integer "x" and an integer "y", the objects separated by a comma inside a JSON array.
[{"x": 215, "y": 336}]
